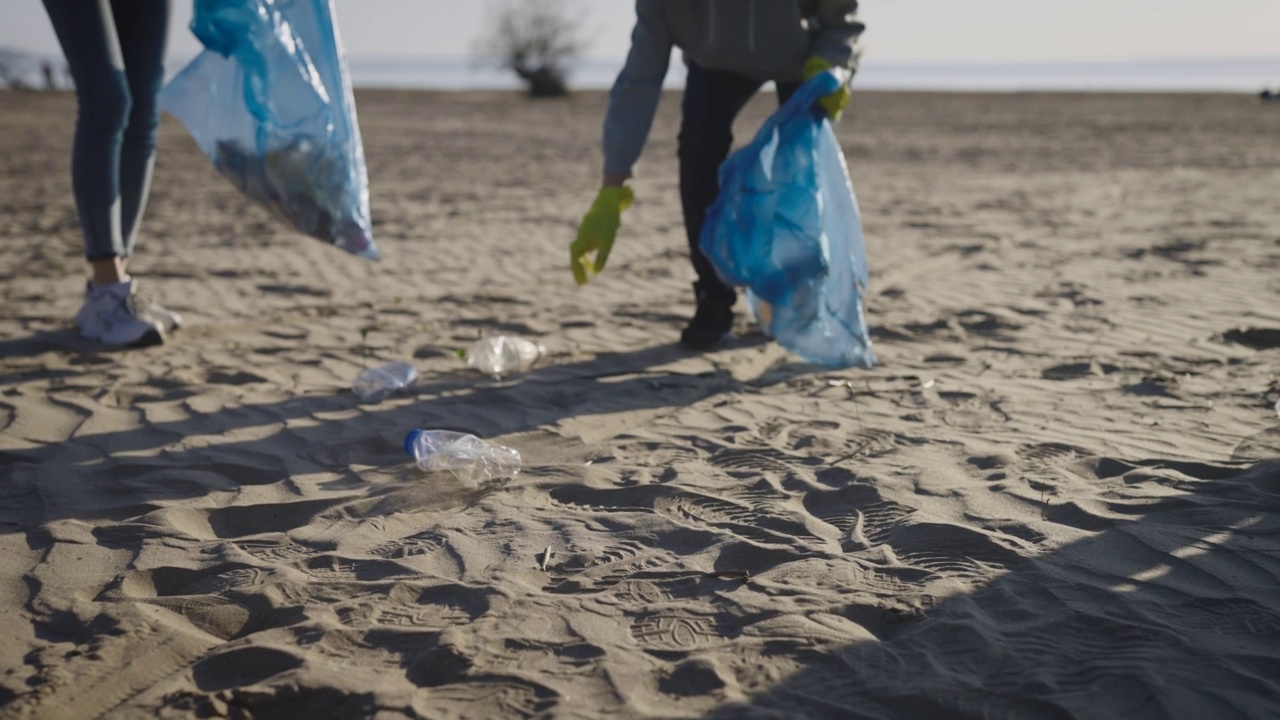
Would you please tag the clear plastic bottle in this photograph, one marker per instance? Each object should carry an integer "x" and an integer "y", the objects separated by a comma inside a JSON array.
[
  {"x": 470, "y": 459},
  {"x": 379, "y": 382},
  {"x": 503, "y": 354}
]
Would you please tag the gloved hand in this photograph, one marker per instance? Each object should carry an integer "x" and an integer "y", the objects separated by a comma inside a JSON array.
[
  {"x": 598, "y": 229},
  {"x": 833, "y": 103}
]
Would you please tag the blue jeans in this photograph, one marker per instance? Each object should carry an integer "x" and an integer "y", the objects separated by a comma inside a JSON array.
[
  {"x": 115, "y": 51},
  {"x": 712, "y": 100}
]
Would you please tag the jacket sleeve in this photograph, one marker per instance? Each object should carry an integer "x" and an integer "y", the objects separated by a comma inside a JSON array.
[
  {"x": 635, "y": 94},
  {"x": 839, "y": 33}
]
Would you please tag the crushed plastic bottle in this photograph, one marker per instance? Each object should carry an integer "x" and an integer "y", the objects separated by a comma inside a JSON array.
[
  {"x": 470, "y": 459},
  {"x": 504, "y": 354},
  {"x": 380, "y": 382}
]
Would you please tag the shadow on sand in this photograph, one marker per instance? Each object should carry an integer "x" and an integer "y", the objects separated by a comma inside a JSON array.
[
  {"x": 327, "y": 432},
  {"x": 1172, "y": 614}
]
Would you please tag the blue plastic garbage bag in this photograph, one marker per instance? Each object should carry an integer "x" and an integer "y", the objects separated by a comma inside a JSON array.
[
  {"x": 269, "y": 102},
  {"x": 786, "y": 227}
]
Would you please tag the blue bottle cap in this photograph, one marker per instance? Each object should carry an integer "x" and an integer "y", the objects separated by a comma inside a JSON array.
[{"x": 412, "y": 438}]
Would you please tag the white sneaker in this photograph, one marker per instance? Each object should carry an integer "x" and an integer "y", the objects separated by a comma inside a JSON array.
[
  {"x": 85, "y": 314},
  {"x": 167, "y": 318},
  {"x": 111, "y": 316}
]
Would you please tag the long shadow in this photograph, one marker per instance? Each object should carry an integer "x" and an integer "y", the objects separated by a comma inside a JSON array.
[
  {"x": 1170, "y": 608},
  {"x": 66, "y": 341},
  {"x": 1174, "y": 613},
  {"x": 255, "y": 444}
]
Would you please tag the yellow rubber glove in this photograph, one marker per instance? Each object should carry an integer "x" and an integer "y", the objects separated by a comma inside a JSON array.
[
  {"x": 834, "y": 103},
  {"x": 598, "y": 229}
]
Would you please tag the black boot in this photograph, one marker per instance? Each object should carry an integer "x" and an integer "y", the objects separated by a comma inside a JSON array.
[{"x": 713, "y": 319}]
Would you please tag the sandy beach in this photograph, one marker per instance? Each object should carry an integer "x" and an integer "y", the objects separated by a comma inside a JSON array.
[{"x": 1057, "y": 495}]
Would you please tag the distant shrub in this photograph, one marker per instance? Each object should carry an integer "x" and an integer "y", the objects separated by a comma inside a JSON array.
[{"x": 536, "y": 39}]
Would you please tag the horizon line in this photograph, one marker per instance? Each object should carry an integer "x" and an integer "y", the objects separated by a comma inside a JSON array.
[{"x": 869, "y": 57}]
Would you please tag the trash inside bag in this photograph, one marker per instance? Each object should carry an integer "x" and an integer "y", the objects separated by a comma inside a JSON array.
[
  {"x": 269, "y": 102},
  {"x": 786, "y": 227},
  {"x": 472, "y": 460}
]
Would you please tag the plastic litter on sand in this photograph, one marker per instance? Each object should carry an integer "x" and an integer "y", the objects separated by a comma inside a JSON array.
[
  {"x": 472, "y": 460},
  {"x": 504, "y": 354},
  {"x": 380, "y": 382}
]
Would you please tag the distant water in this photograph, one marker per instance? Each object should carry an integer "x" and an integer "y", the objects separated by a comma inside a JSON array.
[
  {"x": 1216, "y": 75},
  {"x": 1248, "y": 75}
]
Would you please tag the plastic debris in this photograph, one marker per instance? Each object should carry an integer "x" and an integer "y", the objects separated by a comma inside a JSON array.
[
  {"x": 383, "y": 381},
  {"x": 470, "y": 459},
  {"x": 504, "y": 354}
]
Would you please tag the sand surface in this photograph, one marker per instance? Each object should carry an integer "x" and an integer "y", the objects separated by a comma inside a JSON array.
[{"x": 1058, "y": 495}]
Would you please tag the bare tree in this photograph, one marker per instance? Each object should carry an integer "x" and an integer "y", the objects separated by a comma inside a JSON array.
[{"x": 537, "y": 39}]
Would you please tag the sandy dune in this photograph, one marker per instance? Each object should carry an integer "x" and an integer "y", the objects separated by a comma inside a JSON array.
[{"x": 1057, "y": 496}]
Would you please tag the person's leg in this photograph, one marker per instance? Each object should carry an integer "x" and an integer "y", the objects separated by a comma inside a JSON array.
[
  {"x": 86, "y": 31},
  {"x": 785, "y": 90},
  {"x": 142, "y": 27},
  {"x": 712, "y": 100}
]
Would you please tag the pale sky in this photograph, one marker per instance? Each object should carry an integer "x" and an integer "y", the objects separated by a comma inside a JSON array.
[{"x": 899, "y": 31}]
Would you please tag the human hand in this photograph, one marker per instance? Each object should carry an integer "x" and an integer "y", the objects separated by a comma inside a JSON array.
[
  {"x": 834, "y": 103},
  {"x": 597, "y": 231}
]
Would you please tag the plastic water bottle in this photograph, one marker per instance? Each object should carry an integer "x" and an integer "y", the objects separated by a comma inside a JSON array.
[
  {"x": 377, "y": 383},
  {"x": 503, "y": 354},
  {"x": 470, "y": 459}
]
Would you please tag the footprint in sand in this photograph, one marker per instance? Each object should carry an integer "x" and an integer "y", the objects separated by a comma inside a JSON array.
[
  {"x": 1232, "y": 616},
  {"x": 859, "y": 511},
  {"x": 496, "y": 697},
  {"x": 743, "y": 521},
  {"x": 753, "y": 462},
  {"x": 1049, "y": 457},
  {"x": 656, "y": 454},
  {"x": 517, "y": 653},
  {"x": 198, "y": 596},
  {"x": 670, "y": 631},
  {"x": 116, "y": 667},
  {"x": 333, "y": 568},
  {"x": 634, "y": 593},
  {"x": 271, "y": 550},
  {"x": 422, "y": 543},
  {"x": 420, "y": 608},
  {"x": 1262, "y": 446},
  {"x": 970, "y": 411},
  {"x": 952, "y": 551},
  {"x": 601, "y": 570}
]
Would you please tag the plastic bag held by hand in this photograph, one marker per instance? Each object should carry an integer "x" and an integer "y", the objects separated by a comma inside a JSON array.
[
  {"x": 786, "y": 227},
  {"x": 383, "y": 381},
  {"x": 470, "y": 459},
  {"x": 833, "y": 103},
  {"x": 503, "y": 355},
  {"x": 269, "y": 102}
]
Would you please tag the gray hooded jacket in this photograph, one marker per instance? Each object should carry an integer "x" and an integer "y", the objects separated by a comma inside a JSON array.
[{"x": 763, "y": 39}]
